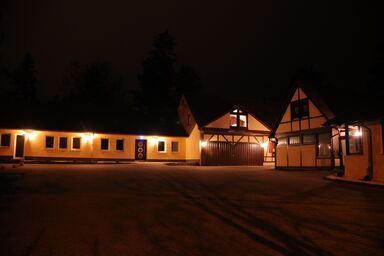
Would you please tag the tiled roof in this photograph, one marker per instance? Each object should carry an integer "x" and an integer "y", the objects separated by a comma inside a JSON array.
[
  {"x": 90, "y": 118},
  {"x": 207, "y": 108}
]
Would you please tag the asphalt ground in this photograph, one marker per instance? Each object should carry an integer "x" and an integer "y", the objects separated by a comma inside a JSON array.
[{"x": 155, "y": 209}]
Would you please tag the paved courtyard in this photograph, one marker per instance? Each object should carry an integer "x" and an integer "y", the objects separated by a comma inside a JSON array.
[{"x": 155, "y": 209}]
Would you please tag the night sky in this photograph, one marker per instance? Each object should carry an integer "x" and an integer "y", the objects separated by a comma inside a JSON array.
[{"x": 234, "y": 46}]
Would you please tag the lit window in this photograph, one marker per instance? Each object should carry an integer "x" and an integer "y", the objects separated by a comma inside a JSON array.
[
  {"x": 49, "y": 141},
  {"x": 324, "y": 145},
  {"x": 294, "y": 140},
  {"x": 354, "y": 141},
  {"x": 5, "y": 140},
  {"x": 175, "y": 146},
  {"x": 120, "y": 144},
  {"x": 104, "y": 145},
  {"x": 76, "y": 142},
  {"x": 299, "y": 109},
  {"x": 238, "y": 118},
  {"x": 63, "y": 142},
  {"x": 282, "y": 141},
  {"x": 309, "y": 139},
  {"x": 161, "y": 146}
]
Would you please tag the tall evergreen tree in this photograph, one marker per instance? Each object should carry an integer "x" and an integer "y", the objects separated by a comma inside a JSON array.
[
  {"x": 157, "y": 79},
  {"x": 92, "y": 83},
  {"x": 24, "y": 79},
  {"x": 161, "y": 83},
  {"x": 187, "y": 81}
]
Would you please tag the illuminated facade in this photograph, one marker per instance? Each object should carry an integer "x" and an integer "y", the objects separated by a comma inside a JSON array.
[
  {"x": 308, "y": 134},
  {"x": 18, "y": 144},
  {"x": 232, "y": 137},
  {"x": 361, "y": 147},
  {"x": 301, "y": 139}
]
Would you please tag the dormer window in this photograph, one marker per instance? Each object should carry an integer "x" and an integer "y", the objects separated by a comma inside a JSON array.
[
  {"x": 299, "y": 109},
  {"x": 238, "y": 118}
]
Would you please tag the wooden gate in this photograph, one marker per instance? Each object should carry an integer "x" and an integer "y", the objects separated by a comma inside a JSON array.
[{"x": 225, "y": 153}]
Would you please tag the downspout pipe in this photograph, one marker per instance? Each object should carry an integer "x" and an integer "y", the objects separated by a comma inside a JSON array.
[{"x": 369, "y": 175}]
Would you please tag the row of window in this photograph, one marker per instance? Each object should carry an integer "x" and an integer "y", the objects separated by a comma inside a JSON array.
[
  {"x": 63, "y": 142},
  {"x": 76, "y": 143},
  {"x": 305, "y": 139},
  {"x": 322, "y": 140},
  {"x": 353, "y": 139},
  {"x": 162, "y": 146}
]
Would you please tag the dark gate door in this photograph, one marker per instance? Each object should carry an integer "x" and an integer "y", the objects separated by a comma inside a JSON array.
[
  {"x": 19, "y": 150},
  {"x": 224, "y": 153},
  {"x": 141, "y": 150}
]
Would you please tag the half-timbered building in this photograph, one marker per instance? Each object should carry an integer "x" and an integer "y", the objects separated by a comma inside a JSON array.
[
  {"x": 225, "y": 133},
  {"x": 361, "y": 138},
  {"x": 301, "y": 139}
]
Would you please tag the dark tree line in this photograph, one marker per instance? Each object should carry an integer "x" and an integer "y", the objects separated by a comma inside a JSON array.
[
  {"x": 161, "y": 83},
  {"x": 24, "y": 79},
  {"x": 91, "y": 83}
]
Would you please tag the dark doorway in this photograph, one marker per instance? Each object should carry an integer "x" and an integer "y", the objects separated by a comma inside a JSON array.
[
  {"x": 19, "y": 150},
  {"x": 141, "y": 150},
  {"x": 342, "y": 151}
]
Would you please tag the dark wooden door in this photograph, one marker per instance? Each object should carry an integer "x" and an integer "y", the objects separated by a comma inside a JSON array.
[
  {"x": 225, "y": 153},
  {"x": 19, "y": 150},
  {"x": 141, "y": 150}
]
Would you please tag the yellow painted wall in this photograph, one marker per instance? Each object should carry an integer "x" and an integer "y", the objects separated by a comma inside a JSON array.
[
  {"x": 356, "y": 165},
  {"x": 153, "y": 154},
  {"x": 284, "y": 128},
  {"x": 254, "y": 124},
  {"x": 299, "y": 156},
  {"x": 308, "y": 155},
  {"x": 302, "y": 94},
  {"x": 316, "y": 119},
  {"x": 90, "y": 148},
  {"x": 224, "y": 123},
  {"x": 221, "y": 122},
  {"x": 184, "y": 111},
  {"x": 317, "y": 122},
  {"x": 294, "y": 156},
  {"x": 313, "y": 110},
  {"x": 9, "y": 151},
  {"x": 281, "y": 156},
  {"x": 378, "y": 156},
  {"x": 193, "y": 145}
]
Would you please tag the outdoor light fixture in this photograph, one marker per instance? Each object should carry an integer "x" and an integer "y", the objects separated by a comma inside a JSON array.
[
  {"x": 358, "y": 133},
  {"x": 29, "y": 134},
  {"x": 203, "y": 144},
  {"x": 153, "y": 140},
  {"x": 264, "y": 145},
  {"x": 87, "y": 137}
]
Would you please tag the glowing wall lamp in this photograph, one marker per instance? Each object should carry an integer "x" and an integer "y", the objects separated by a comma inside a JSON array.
[
  {"x": 153, "y": 140},
  {"x": 358, "y": 134},
  {"x": 264, "y": 145},
  {"x": 29, "y": 134},
  {"x": 87, "y": 137},
  {"x": 203, "y": 143}
]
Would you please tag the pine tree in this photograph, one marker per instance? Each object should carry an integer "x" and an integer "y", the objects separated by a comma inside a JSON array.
[
  {"x": 24, "y": 79},
  {"x": 157, "y": 80}
]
